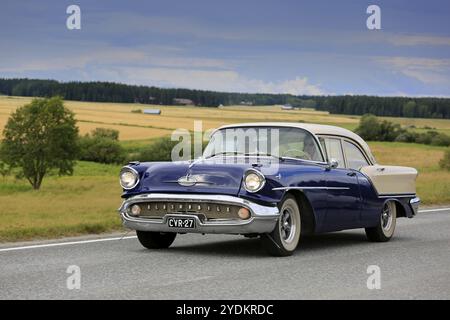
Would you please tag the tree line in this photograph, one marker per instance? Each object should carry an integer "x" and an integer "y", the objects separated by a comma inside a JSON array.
[
  {"x": 116, "y": 92},
  {"x": 387, "y": 106}
]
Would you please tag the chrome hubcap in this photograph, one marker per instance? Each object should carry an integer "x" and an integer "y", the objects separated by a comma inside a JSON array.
[
  {"x": 386, "y": 217},
  {"x": 287, "y": 226}
]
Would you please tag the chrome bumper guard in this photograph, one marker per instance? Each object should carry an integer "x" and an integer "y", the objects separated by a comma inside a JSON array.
[
  {"x": 262, "y": 220},
  {"x": 414, "y": 203}
]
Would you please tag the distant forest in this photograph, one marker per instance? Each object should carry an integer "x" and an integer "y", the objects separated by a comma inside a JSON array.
[{"x": 116, "y": 92}]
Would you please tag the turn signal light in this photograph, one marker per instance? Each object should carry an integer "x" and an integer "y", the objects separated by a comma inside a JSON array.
[
  {"x": 135, "y": 210},
  {"x": 244, "y": 213}
]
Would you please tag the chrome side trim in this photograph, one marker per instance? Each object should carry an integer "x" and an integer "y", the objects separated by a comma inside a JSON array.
[
  {"x": 384, "y": 196},
  {"x": 311, "y": 188}
]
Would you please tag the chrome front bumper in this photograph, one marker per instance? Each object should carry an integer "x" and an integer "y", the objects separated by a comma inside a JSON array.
[{"x": 262, "y": 220}]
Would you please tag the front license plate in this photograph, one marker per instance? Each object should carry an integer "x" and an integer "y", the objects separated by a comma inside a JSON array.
[{"x": 185, "y": 223}]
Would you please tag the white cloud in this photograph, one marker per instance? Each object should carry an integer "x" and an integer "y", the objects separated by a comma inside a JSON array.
[
  {"x": 132, "y": 23},
  {"x": 426, "y": 70},
  {"x": 417, "y": 40},
  {"x": 157, "y": 66},
  {"x": 79, "y": 59},
  {"x": 105, "y": 55},
  {"x": 219, "y": 80},
  {"x": 298, "y": 86}
]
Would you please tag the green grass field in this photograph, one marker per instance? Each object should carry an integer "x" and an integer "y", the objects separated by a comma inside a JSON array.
[
  {"x": 83, "y": 203},
  {"x": 87, "y": 201}
]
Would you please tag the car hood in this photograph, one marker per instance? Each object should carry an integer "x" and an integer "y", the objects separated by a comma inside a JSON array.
[{"x": 217, "y": 175}]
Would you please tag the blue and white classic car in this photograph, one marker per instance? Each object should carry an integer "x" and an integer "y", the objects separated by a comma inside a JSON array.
[{"x": 278, "y": 181}]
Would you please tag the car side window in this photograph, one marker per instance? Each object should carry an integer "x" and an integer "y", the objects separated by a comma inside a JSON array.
[
  {"x": 334, "y": 150},
  {"x": 355, "y": 158}
]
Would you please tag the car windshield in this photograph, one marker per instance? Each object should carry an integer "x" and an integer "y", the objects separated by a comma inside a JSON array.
[{"x": 284, "y": 142}]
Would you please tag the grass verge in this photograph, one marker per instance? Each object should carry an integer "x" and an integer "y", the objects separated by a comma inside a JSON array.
[{"x": 65, "y": 206}]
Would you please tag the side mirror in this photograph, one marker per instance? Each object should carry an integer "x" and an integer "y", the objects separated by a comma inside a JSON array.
[{"x": 333, "y": 163}]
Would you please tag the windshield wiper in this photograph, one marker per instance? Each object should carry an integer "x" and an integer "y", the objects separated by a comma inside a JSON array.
[
  {"x": 265, "y": 154},
  {"x": 224, "y": 153}
]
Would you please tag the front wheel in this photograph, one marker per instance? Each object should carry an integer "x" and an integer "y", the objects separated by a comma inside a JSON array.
[
  {"x": 283, "y": 240},
  {"x": 155, "y": 240},
  {"x": 384, "y": 231}
]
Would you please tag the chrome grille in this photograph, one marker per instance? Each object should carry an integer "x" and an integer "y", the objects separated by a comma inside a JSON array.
[{"x": 204, "y": 210}]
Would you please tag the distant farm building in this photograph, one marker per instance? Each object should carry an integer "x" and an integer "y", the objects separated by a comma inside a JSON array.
[
  {"x": 152, "y": 111},
  {"x": 183, "y": 102},
  {"x": 287, "y": 107}
]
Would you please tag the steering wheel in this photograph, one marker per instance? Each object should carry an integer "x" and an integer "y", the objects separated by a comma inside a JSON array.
[{"x": 298, "y": 154}]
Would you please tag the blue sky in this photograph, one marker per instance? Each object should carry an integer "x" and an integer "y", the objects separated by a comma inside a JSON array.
[{"x": 298, "y": 47}]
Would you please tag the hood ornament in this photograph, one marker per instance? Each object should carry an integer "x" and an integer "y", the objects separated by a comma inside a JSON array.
[{"x": 187, "y": 181}]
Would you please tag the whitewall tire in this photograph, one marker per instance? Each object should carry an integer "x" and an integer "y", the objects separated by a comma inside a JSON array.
[
  {"x": 386, "y": 225},
  {"x": 284, "y": 239}
]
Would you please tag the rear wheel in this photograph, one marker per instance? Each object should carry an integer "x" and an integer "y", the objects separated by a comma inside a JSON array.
[
  {"x": 283, "y": 240},
  {"x": 155, "y": 240},
  {"x": 385, "y": 229}
]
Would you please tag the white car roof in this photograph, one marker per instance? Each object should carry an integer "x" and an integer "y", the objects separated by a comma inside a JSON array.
[{"x": 316, "y": 129}]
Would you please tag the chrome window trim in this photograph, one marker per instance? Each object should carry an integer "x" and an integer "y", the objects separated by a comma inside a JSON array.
[
  {"x": 342, "y": 138},
  {"x": 309, "y": 161},
  {"x": 341, "y": 146},
  {"x": 357, "y": 147}
]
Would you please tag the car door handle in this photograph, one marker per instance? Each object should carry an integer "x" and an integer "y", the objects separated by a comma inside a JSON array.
[{"x": 351, "y": 174}]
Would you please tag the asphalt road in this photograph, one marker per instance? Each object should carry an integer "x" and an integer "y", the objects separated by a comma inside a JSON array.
[{"x": 413, "y": 265}]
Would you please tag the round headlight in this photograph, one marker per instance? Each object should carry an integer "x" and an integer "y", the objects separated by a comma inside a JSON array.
[
  {"x": 254, "y": 181},
  {"x": 129, "y": 178}
]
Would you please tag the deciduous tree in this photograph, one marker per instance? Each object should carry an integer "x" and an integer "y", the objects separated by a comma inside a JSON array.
[{"x": 40, "y": 137}]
